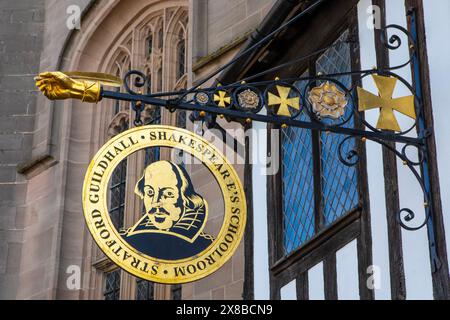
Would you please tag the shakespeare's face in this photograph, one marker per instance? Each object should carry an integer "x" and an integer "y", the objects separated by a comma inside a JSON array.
[{"x": 162, "y": 197}]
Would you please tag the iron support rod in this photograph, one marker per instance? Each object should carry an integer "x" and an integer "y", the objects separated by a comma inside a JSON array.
[{"x": 260, "y": 118}]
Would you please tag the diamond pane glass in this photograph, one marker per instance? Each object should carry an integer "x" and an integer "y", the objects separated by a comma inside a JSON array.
[
  {"x": 181, "y": 119},
  {"x": 177, "y": 292},
  {"x": 336, "y": 59},
  {"x": 117, "y": 194},
  {"x": 298, "y": 185},
  {"x": 144, "y": 290},
  {"x": 181, "y": 57},
  {"x": 340, "y": 186},
  {"x": 112, "y": 285},
  {"x": 298, "y": 188},
  {"x": 340, "y": 183}
]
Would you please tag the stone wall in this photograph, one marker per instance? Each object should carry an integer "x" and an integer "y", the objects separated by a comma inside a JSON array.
[
  {"x": 33, "y": 34},
  {"x": 219, "y": 23},
  {"x": 21, "y": 35},
  {"x": 229, "y": 20},
  {"x": 41, "y": 223}
]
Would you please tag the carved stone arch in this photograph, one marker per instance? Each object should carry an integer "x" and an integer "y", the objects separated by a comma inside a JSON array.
[
  {"x": 144, "y": 35},
  {"x": 159, "y": 33},
  {"x": 85, "y": 128},
  {"x": 175, "y": 25},
  {"x": 181, "y": 83},
  {"x": 125, "y": 49},
  {"x": 120, "y": 59},
  {"x": 119, "y": 123},
  {"x": 180, "y": 15}
]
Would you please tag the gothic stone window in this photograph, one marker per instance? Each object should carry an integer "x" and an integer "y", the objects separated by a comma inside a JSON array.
[
  {"x": 117, "y": 190},
  {"x": 145, "y": 48},
  {"x": 181, "y": 55},
  {"x": 149, "y": 46},
  {"x": 145, "y": 290},
  {"x": 117, "y": 194},
  {"x": 112, "y": 285}
]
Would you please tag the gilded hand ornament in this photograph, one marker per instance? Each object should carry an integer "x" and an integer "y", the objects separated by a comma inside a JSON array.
[
  {"x": 59, "y": 86},
  {"x": 74, "y": 85}
]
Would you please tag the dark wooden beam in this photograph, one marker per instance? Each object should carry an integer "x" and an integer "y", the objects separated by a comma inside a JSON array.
[
  {"x": 330, "y": 277},
  {"x": 303, "y": 286},
  {"x": 397, "y": 277},
  {"x": 441, "y": 280},
  {"x": 248, "y": 293}
]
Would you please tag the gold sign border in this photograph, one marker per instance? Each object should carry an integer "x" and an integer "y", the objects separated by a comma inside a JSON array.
[{"x": 136, "y": 263}]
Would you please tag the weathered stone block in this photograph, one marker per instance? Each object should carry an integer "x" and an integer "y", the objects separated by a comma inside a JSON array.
[
  {"x": 24, "y": 123},
  {"x": 39, "y": 15},
  {"x": 11, "y": 157},
  {"x": 256, "y": 5},
  {"x": 7, "y": 174},
  {"x": 11, "y": 142},
  {"x": 246, "y": 25},
  {"x": 21, "y": 16},
  {"x": 15, "y": 103}
]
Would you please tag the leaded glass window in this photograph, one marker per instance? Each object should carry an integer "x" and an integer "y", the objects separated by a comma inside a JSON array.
[
  {"x": 181, "y": 58},
  {"x": 340, "y": 186},
  {"x": 298, "y": 187},
  {"x": 160, "y": 38},
  {"x": 117, "y": 194},
  {"x": 149, "y": 83},
  {"x": 160, "y": 80},
  {"x": 145, "y": 290},
  {"x": 181, "y": 119},
  {"x": 149, "y": 46},
  {"x": 117, "y": 190},
  {"x": 112, "y": 285},
  {"x": 317, "y": 189},
  {"x": 176, "y": 292}
]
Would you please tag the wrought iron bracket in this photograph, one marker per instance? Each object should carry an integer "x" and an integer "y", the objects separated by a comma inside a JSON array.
[{"x": 254, "y": 101}]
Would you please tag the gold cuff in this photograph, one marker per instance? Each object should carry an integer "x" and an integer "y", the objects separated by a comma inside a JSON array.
[{"x": 91, "y": 92}]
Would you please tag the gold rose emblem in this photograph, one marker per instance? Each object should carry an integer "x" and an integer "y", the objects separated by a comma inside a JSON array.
[
  {"x": 248, "y": 99},
  {"x": 328, "y": 101}
]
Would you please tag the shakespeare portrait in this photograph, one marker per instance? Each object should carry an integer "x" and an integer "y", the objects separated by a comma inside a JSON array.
[{"x": 174, "y": 216}]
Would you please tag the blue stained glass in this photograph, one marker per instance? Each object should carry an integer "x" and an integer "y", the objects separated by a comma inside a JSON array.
[
  {"x": 339, "y": 182},
  {"x": 298, "y": 185}
]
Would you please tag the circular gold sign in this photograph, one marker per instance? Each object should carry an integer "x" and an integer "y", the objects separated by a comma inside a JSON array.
[{"x": 167, "y": 245}]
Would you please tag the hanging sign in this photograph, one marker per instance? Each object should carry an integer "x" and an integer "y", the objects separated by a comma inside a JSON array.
[{"x": 168, "y": 243}]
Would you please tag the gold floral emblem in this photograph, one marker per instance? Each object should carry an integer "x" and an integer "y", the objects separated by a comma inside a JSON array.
[
  {"x": 248, "y": 99},
  {"x": 202, "y": 98},
  {"x": 328, "y": 101}
]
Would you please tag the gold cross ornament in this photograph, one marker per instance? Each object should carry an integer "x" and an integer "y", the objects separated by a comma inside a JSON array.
[
  {"x": 386, "y": 103},
  {"x": 222, "y": 99},
  {"x": 283, "y": 101}
]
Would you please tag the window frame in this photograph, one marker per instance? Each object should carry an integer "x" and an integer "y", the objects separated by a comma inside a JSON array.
[
  {"x": 114, "y": 291},
  {"x": 322, "y": 247},
  {"x": 317, "y": 156},
  {"x": 150, "y": 290}
]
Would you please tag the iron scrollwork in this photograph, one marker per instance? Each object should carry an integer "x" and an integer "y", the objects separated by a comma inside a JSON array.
[{"x": 327, "y": 104}]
